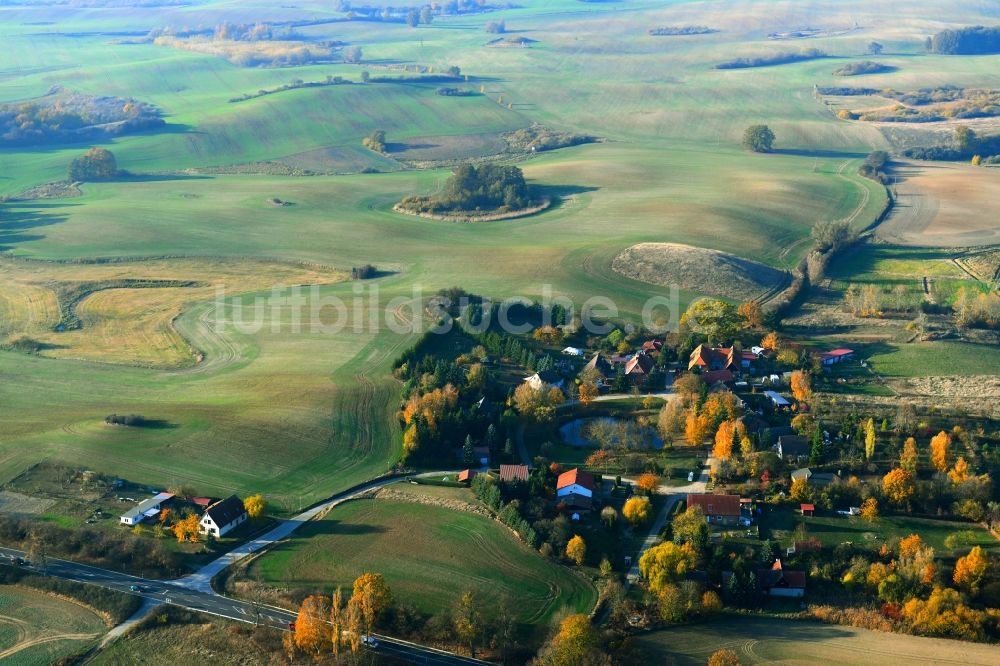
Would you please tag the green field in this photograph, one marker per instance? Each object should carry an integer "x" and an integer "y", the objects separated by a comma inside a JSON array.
[
  {"x": 772, "y": 640},
  {"x": 301, "y": 415},
  {"x": 38, "y": 629},
  {"x": 429, "y": 555}
]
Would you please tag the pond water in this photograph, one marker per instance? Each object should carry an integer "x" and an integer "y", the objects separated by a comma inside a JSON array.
[{"x": 581, "y": 433}]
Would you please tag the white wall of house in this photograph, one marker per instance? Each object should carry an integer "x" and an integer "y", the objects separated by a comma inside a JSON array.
[{"x": 208, "y": 526}]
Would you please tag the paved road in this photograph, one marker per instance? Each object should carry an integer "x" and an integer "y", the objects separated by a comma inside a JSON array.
[
  {"x": 673, "y": 494},
  {"x": 195, "y": 592}
]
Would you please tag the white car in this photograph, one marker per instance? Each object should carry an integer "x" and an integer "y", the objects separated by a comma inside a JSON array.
[{"x": 370, "y": 641}]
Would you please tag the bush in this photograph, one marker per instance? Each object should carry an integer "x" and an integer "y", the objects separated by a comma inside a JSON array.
[
  {"x": 859, "y": 68},
  {"x": 758, "y": 138},
  {"x": 125, "y": 420},
  {"x": 771, "y": 60}
]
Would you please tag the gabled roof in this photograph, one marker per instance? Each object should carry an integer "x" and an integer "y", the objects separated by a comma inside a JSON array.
[
  {"x": 807, "y": 507},
  {"x": 837, "y": 353},
  {"x": 142, "y": 507},
  {"x": 716, "y": 505},
  {"x": 226, "y": 511},
  {"x": 599, "y": 363},
  {"x": 513, "y": 472},
  {"x": 778, "y": 576},
  {"x": 652, "y": 345},
  {"x": 577, "y": 476},
  {"x": 709, "y": 357},
  {"x": 467, "y": 475},
  {"x": 715, "y": 376},
  {"x": 640, "y": 364},
  {"x": 794, "y": 445}
]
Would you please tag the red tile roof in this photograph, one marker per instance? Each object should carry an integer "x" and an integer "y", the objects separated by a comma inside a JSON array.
[
  {"x": 713, "y": 376},
  {"x": 512, "y": 472},
  {"x": 640, "y": 364},
  {"x": 776, "y": 574},
  {"x": 837, "y": 353},
  {"x": 807, "y": 507},
  {"x": 716, "y": 505},
  {"x": 577, "y": 476}
]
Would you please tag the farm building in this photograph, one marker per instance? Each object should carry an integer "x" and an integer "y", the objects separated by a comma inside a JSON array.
[
  {"x": 777, "y": 399},
  {"x": 777, "y": 582},
  {"x": 509, "y": 473},
  {"x": 145, "y": 509},
  {"x": 807, "y": 509},
  {"x": 223, "y": 516},
  {"x": 575, "y": 482},
  {"x": 718, "y": 509},
  {"x": 714, "y": 358},
  {"x": 836, "y": 356}
]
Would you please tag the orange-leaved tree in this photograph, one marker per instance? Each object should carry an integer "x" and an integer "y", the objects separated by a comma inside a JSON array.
[
  {"x": 898, "y": 486},
  {"x": 970, "y": 570},
  {"x": 960, "y": 472},
  {"x": 372, "y": 597},
  {"x": 648, "y": 482},
  {"x": 311, "y": 635},
  {"x": 939, "y": 450},
  {"x": 802, "y": 386},
  {"x": 636, "y": 510},
  {"x": 576, "y": 550}
]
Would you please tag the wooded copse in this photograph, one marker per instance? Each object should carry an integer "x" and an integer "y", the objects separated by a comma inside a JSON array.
[{"x": 488, "y": 187}]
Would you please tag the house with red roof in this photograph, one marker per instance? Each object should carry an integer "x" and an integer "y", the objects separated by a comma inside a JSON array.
[
  {"x": 780, "y": 582},
  {"x": 718, "y": 509},
  {"x": 575, "y": 482},
  {"x": 639, "y": 366},
  {"x": 715, "y": 358}
]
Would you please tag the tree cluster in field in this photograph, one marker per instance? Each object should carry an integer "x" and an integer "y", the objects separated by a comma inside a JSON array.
[
  {"x": 117, "y": 605},
  {"x": 414, "y": 16},
  {"x": 375, "y": 141},
  {"x": 72, "y": 117},
  {"x": 874, "y": 166},
  {"x": 967, "y": 145},
  {"x": 364, "y": 272},
  {"x": 771, "y": 60},
  {"x": 489, "y": 187},
  {"x": 496, "y": 27},
  {"x": 676, "y": 30},
  {"x": 537, "y": 139},
  {"x": 974, "y": 40},
  {"x": 457, "y": 92},
  {"x": 294, "y": 85},
  {"x": 933, "y": 104},
  {"x": 99, "y": 547},
  {"x": 95, "y": 164},
  {"x": 860, "y": 68},
  {"x": 134, "y": 420},
  {"x": 226, "y": 31}
]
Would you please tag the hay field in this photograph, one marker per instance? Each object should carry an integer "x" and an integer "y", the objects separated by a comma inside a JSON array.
[
  {"x": 780, "y": 641},
  {"x": 429, "y": 555},
  {"x": 943, "y": 205},
  {"x": 133, "y": 326},
  {"x": 38, "y": 629},
  {"x": 698, "y": 269}
]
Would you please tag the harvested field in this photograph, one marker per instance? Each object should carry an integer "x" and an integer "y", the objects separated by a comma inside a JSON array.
[
  {"x": 975, "y": 387},
  {"x": 122, "y": 320},
  {"x": 773, "y": 641},
  {"x": 698, "y": 269},
  {"x": 943, "y": 205},
  {"x": 36, "y": 628},
  {"x": 23, "y": 506}
]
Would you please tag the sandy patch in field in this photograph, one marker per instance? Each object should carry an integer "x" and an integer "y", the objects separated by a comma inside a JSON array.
[
  {"x": 944, "y": 205},
  {"x": 697, "y": 269},
  {"x": 981, "y": 386}
]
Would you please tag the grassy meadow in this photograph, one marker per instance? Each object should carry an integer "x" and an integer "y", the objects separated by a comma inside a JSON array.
[
  {"x": 300, "y": 415},
  {"x": 37, "y": 628},
  {"x": 429, "y": 555}
]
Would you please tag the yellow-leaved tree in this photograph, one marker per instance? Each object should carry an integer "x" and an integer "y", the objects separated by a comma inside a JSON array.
[
  {"x": 576, "y": 550},
  {"x": 939, "y": 450},
  {"x": 255, "y": 505},
  {"x": 908, "y": 458},
  {"x": 371, "y": 596},
  {"x": 665, "y": 563},
  {"x": 311, "y": 634},
  {"x": 636, "y": 510},
  {"x": 960, "y": 472},
  {"x": 969, "y": 570},
  {"x": 801, "y": 386},
  {"x": 898, "y": 486},
  {"x": 869, "y": 510},
  {"x": 575, "y": 644}
]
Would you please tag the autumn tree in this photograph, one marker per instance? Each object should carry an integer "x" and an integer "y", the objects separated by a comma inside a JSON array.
[
  {"x": 576, "y": 550},
  {"x": 469, "y": 622},
  {"x": 95, "y": 164},
  {"x": 609, "y": 516},
  {"x": 338, "y": 621},
  {"x": 869, "y": 510},
  {"x": 599, "y": 459},
  {"x": 586, "y": 393},
  {"x": 800, "y": 491},
  {"x": 713, "y": 318},
  {"x": 771, "y": 342},
  {"x": 724, "y": 658},
  {"x": 801, "y": 386},
  {"x": 970, "y": 570},
  {"x": 375, "y": 141},
  {"x": 727, "y": 437},
  {"x": 688, "y": 387},
  {"x": 548, "y": 335},
  {"x": 751, "y": 313},
  {"x": 538, "y": 404},
  {"x": 648, "y": 482},
  {"x": 372, "y": 597},
  {"x": 908, "y": 458},
  {"x": 636, "y": 510},
  {"x": 691, "y": 527},
  {"x": 665, "y": 563},
  {"x": 575, "y": 644},
  {"x": 898, "y": 486},
  {"x": 311, "y": 634},
  {"x": 254, "y": 506},
  {"x": 869, "y": 439},
  {"x": 960, "y": 472},
  {"x": 188, "y": 529},
  {"x": 939, "y": 450},
  {"x": 944, "y": 614}
]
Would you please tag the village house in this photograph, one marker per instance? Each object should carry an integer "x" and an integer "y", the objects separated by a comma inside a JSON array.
[
  {"x": 718, "y": 509},
  {"x": 572, "y": 351},
  {"x": 714, "y": 358},
  {"x": 540, "y": 380},
  {"x": 779, "y": 582},
  {"x": 793, "y": 447},
  {"x": 639, "y": 366},
  {"x": 223, "y": 516},
  {"x": 146, "y": 509},
  {"x": 601, "y": 365},
  {"x": 575, "y": 492},
  {"x": 511, "y": 473}
]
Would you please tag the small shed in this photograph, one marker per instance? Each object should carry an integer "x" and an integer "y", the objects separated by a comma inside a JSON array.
[{"x": 807, "y": 509}]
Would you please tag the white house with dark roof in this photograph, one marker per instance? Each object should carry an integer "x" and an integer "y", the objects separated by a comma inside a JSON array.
[
  {"x": 145, "y": 509},
  {"x": 223, "y": 516}
]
